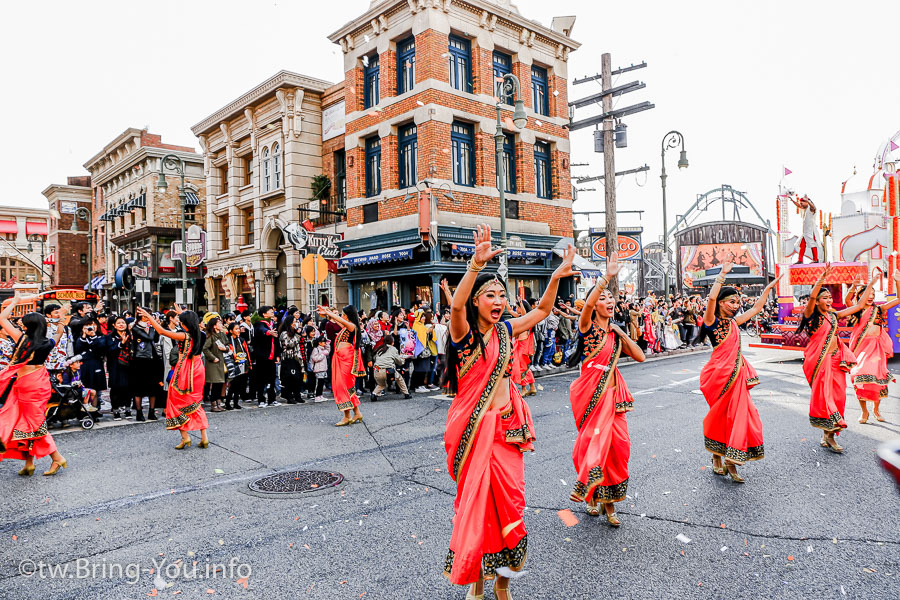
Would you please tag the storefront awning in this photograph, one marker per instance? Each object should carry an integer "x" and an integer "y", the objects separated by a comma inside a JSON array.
[
  {"x": 36, "y": 228},
  {"x": 8, "y": 227},
  {"x": 191, "y": 199},
  {"x": 372, "y": 257},
  {"x": 513, "y": 253},
  {"x": 96, "y": 283}
]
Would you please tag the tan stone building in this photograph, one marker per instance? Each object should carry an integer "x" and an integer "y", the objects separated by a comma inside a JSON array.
[
  {"x": 135, "y": 224},
  {"x": 68, "y": 255},
  {"x": 261, "y": 152},
  {"x": 22, "y": 230}
]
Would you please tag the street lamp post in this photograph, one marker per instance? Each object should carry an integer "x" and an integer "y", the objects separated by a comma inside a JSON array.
[
  {"x": 509, "y": 88},
  {"x": 176, "y": 163},
  {"x": 38, "y": 238},
  {"x": 85, "y": 215},
  {"x": 673, "y": 139}
]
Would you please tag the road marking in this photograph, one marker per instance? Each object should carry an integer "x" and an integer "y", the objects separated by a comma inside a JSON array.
[{"x": 662, "y": 387}]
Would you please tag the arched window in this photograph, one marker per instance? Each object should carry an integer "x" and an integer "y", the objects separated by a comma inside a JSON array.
[
  {"x": 267, "y": 175},
  {"x": 276, "y": 158}
]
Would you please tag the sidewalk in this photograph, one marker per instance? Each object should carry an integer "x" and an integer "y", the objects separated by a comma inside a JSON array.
[{"x": 548, "y": 371}]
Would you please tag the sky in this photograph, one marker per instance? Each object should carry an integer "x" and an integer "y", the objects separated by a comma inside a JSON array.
[{"x": 752, "y": 86}]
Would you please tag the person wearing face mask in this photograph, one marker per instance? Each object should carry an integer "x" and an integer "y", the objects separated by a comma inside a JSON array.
[
  {"x": 827, "y": 360},
  {"x": 732, "y": 429},
  {"x": 92, "y": 348},
  {"x": 145, "y": 372}
]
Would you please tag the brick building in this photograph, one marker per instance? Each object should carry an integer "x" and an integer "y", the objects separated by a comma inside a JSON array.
[
  {"x": 135, "y": 224},
  {"x": 68, "y": 250},
  {"x": 22, "y": 230},
  {"x": 261, "y": 153},
  {"x": 420, "y": 116}
]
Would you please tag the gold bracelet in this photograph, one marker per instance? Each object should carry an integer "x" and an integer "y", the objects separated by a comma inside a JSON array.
[
  {"x": 720, "y": 279},
  {"x": 474, "y": 266},
  {"x": 605, "y": 282}
]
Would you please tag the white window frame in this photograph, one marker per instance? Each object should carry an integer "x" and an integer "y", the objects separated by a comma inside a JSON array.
[
  {"x": 276, "y": 170},
  {"x": 267, "y": 180}
]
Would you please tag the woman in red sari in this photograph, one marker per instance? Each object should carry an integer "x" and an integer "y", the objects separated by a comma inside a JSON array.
[
  {"x": 732, "y": 429},
  {"x": 600, "y": 399},
  {"x": 827, "y": 360},
  {"x": 184, "y": 404},
  {"x": 346, "y": 363},
  {"x": 489, "y": 425},
  {"x": 523, "y": 350},
  {"x": 25, "y": 390},
  {"x": 871, "y": 345}
]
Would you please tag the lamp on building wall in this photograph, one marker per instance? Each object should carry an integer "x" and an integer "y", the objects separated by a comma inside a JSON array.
[
  {"x": 510, "y": 88},
  {"x": 176, "y": 164}
]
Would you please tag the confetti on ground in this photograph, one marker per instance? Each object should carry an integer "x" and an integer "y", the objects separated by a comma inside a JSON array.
[
  {"x": 568, "y": 517},
  {"x": 724, "y": 548},
  {"x": 15, "y": 537},
  {"x": 153, "y": 593},
  {"x": 683, "y": 538},
  {"x": 243, "y": 582},
  {"x": 221, "y": 542},
  {"x": 210, "y": 591},
  {"x": 791, "y": 557},
  {"x": 220, "y": 471},
  {"x": 562, "y": 481},
  {"x": 809, "y": 548}
]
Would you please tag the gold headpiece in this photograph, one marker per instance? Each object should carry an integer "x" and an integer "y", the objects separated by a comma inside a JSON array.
[{"x": 486, "y": 285}]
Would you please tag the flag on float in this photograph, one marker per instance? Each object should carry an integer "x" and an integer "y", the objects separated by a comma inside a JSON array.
[
  {"x": 894, "y": 146},
  {"x": 787, "y": 171}
]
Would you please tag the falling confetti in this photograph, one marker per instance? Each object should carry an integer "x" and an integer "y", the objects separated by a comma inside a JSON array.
[
  {"x": 683, "y": 538},
  {"x": 567, "y": 517}
]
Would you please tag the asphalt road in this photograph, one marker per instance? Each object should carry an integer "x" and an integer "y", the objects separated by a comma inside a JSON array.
[{"x": 807, "y": 524}]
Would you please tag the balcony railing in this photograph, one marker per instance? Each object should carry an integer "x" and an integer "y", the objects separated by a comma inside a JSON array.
[{"x": 328, "y": 206}]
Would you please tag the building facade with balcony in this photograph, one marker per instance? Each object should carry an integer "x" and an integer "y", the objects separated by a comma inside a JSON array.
[
  {"x": 23, "y": 248},
  {"x": 262, "y": 153},
  {"x": 135, "y": 224},
  {"x": 67, "y": 256},
  {"x": 420, "y": 93}
]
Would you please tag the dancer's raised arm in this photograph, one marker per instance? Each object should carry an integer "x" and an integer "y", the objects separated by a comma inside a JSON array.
[
  {"x": 587, "y": 311},
  {"x": 811, "y": 302},
  {"x": 484, "y": 252},
  {"x": 709, "y": 317}
]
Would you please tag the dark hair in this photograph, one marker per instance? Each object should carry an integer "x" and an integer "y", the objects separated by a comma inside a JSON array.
[
  {"x": 450, "y": 377},
  {"x": 353, "y": 317},
  {"x": 211, "y": 324},
  {"x": 190, "y": 322},
  {"x": 287, "y": 325},
  {"x": 264, "y": 309},
  {"x": 169, "y": 316},
  {"x": 233, "y": 325},
  {"x": 387, "y": 342},
  {"x": 49, "y": 308},
  {"x": 246, "y": 313},
  {"x": 815, "y": 319},
  {"x": 35, "y": 326}
]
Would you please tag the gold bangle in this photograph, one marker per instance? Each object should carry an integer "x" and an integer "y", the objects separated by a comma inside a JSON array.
[
  {"x": 605, "y": 282},
  {"x": 474, "y": 266}
]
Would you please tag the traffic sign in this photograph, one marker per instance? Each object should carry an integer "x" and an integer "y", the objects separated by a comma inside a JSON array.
[{"x": 314, "y": 269}]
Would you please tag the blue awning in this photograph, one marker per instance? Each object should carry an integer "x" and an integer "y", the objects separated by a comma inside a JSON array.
[
  {"x": 96, "y": 283},
  {"x": 371, "y": 257},
  {"x": 513, "y": 253}
]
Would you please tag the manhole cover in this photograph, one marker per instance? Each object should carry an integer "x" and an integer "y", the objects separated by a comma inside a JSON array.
[{"x": 296, "y": 482}]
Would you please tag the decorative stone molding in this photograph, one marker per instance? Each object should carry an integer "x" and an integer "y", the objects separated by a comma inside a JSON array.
[
  {"x": 229, "y": 144},
  {"x": 250, "y": 115},
  {"x": 297, "y": 123},
  {"x": 271, "y": 275},
  {"x": 205, "y": 147}
]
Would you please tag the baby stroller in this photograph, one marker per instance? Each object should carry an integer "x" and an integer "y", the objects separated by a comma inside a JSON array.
[{"x": 66, "y": 404}]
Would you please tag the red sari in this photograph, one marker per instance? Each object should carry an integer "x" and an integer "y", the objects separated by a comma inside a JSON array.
[
  {"x": 872, "y": 377},
  {"x": 603, "y": 447},
  {"x": 523, "y": 349},
  {"x": 827, "y": 375},
  {"x": 346, "y": 365},
  {"x": 184, "y": 408},
  {"x": 23, "y": 428},
  {"x": 732, "y": 428},
  {"x": 484, "y": 456}
]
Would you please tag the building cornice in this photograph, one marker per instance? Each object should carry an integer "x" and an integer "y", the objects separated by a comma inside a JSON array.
[
  {"x": 144, "y": 153},
  {"x": 363, "y": 21},
  {"x": 43, "y": 213},
  {"x": 279, "y": 80},
  {"x": 61, "y": 187},
  {"x": 123, "y": 137}
]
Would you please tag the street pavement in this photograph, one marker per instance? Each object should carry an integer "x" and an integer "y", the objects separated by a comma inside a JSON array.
[{"x": 807, "y": 524}]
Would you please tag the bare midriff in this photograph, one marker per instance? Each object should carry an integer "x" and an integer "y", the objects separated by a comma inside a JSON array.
[
  {"x": 501, "y": 396},
  {"x": 343, "y": 345}
]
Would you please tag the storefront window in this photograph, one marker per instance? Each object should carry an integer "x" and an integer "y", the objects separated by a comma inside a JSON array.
[
  {"x": 373, "y": 296},
  {"x": 326, "y": 293},
  {"x": 423, "y": 293}
]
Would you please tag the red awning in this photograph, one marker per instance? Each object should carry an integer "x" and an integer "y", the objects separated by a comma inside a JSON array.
[
  {"x": 8, "y": 227},
  {"x": 50, "y": 259},
  {"x": 34, "y": 228}
]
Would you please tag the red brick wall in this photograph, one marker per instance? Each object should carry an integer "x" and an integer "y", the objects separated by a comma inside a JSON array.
[
  {"x": 387, "y": 74},
  {"x": 430, "y": 45},
  {"x": 155, "y": 141}
]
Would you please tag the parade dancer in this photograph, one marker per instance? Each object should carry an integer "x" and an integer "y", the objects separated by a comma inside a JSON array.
[
  {"x": 600, "y": 399},
  {"x": 827, "y": 360},
  {"x": 871, "y": 345},
  {"x": 346, "y": 363},
  {"x": 184, "y": 403},
  {"x": 523, "y": 350},
  {"x": 25, "y": 390},
  {"x": 809, "y": 229},
  {"x": 732, "y": 429},
  {"x": 489, "y": 425}
]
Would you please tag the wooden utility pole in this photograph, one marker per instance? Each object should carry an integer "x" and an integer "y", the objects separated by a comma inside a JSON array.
[{"x": 609, "y": 166}]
